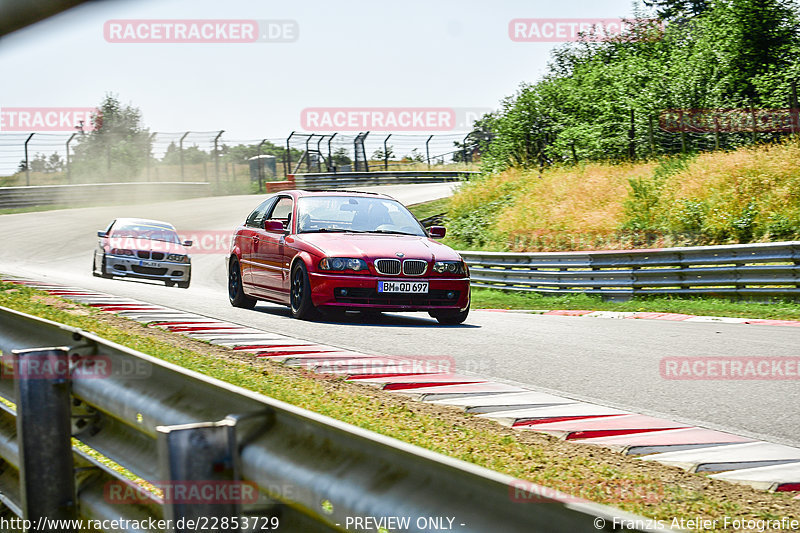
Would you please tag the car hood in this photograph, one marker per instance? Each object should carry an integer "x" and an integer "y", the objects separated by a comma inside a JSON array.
[{"x": 374, "y": 246}]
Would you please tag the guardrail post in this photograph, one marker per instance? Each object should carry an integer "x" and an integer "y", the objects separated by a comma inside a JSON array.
[
  {"x": 198, "y": 460},
  {"x": 47, "y": 483}
]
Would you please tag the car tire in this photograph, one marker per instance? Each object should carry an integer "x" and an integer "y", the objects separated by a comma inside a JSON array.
[
  {"x": 169, "y": 283},
  {"x": 94, "y": 266},
  {"x": 451, "y": 318},
  {"x": 300, "y": 293},
  {"x": 185, "y": 284},
  {"x": 236, "y": 294},
  {"x": 103, "y": 273}
]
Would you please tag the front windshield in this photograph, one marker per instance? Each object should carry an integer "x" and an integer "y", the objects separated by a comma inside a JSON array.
[
  {"x": 356, "y": 214},
  {"x": 152, "y": 232}
]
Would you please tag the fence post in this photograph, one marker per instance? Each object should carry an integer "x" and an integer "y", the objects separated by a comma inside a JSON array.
[
  {"x": 27, "y": 161},
  {"x": 386, "y": 153},
  {"x": 464, "y": 149},
  {"x": 181, "y": 152},
  {"x": 330, "y": 157},
  {"x": 650, "y": 135},
  {"x": 260, "y": 169},
  {"x": 632, "y": 138},
  {"x": 69, "y": 169},
  {"x": 287, "y": 157},
  {"x": 319, "y": 154},
  {"x": 147, "y": 154},
  {"x": 216, "y": 155},
  {"x": 44, "y": 429},
  {"x": 794, "y": 106},
  {"x": 428, "y": 151},
  {"x": 194, "y": 457}
]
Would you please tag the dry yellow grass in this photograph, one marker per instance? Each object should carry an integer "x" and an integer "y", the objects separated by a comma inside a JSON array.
[
  {"x": 585, "y": 199},
  {"x": 751, "y": 194}
]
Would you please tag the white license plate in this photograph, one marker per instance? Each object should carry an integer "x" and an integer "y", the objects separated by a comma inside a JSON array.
[
  {"x": 407, "y": 287},
  {"x": 153, "y": 264}
]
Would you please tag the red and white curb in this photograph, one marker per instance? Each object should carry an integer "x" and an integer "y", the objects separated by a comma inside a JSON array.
[
  {"x": 734, "y": 458},
  {"x": 638, "y": 315}
]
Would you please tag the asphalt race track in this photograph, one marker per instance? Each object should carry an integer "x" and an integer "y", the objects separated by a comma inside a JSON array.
[{"x": 612, "y": 362}]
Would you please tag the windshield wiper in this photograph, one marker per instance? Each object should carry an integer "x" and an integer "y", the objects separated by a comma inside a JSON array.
[
  {"x": 392, "y": 232},
  {"x": 332, "y": 230}
]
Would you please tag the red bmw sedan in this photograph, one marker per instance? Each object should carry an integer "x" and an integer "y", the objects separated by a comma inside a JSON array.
[{"x": 342, "y": 250}]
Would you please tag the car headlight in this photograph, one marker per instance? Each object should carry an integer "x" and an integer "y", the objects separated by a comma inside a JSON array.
[
  {"x": 342, "y": 263},
  {"x": 121, "y": 251},
  {"x": 178, "y": 258},
  {"x": 450, "y": 267}
]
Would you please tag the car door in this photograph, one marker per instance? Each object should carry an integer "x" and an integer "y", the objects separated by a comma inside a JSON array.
[
  {"x": 268, "y": 264},
  {"x": 248, "y": 233}
]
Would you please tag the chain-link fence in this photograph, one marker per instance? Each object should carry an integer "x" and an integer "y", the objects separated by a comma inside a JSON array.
[
  {"x": 231, "y": 164},
  {"x": 244, "y": 165}
]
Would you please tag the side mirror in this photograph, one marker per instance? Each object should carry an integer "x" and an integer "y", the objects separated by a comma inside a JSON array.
[
  {"x": 437, "y": 232},
  {"x": 274, "y": 226},
  {"x": 187, "y": 243},
  {"x": 101, "y": 233}
]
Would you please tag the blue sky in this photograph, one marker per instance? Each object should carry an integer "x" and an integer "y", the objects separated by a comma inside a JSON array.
[{"x": 415, "y": 53}]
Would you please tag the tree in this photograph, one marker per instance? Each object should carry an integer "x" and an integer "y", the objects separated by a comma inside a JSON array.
[
  {"x": 729, "y": 54},
  {"x": 55, "y": 163},
  {"x": 192, "y": 155},
  {"x": 671, "y": 9},
  {"x": 477, "y": 140},
  {"x": 380, "y": 155},
  {"x": 39, "y": 163},
  {"x": 340, "y": 157},
  {"x": 118, "y": 146}
]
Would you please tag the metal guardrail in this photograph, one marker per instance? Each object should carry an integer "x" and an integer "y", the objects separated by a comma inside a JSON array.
[
  {"x": 343, "y": 180},
  {"x": 170, "y": 425},
  {"x": 82, "y": 194},
  {"x": 748, "y": 270}
]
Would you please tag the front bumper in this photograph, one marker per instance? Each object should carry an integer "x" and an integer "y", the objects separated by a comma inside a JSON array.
[
  {"x": 131, "y": 267},
  {"x": 451, "y": 294}
]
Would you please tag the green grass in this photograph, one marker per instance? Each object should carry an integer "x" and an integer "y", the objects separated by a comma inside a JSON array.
[
  {"x": 37, "y": 208},
  {"x": 600, "y": 475},
  {"x": 496, "y": 299},
  {"x": 428, "y": 209}
]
